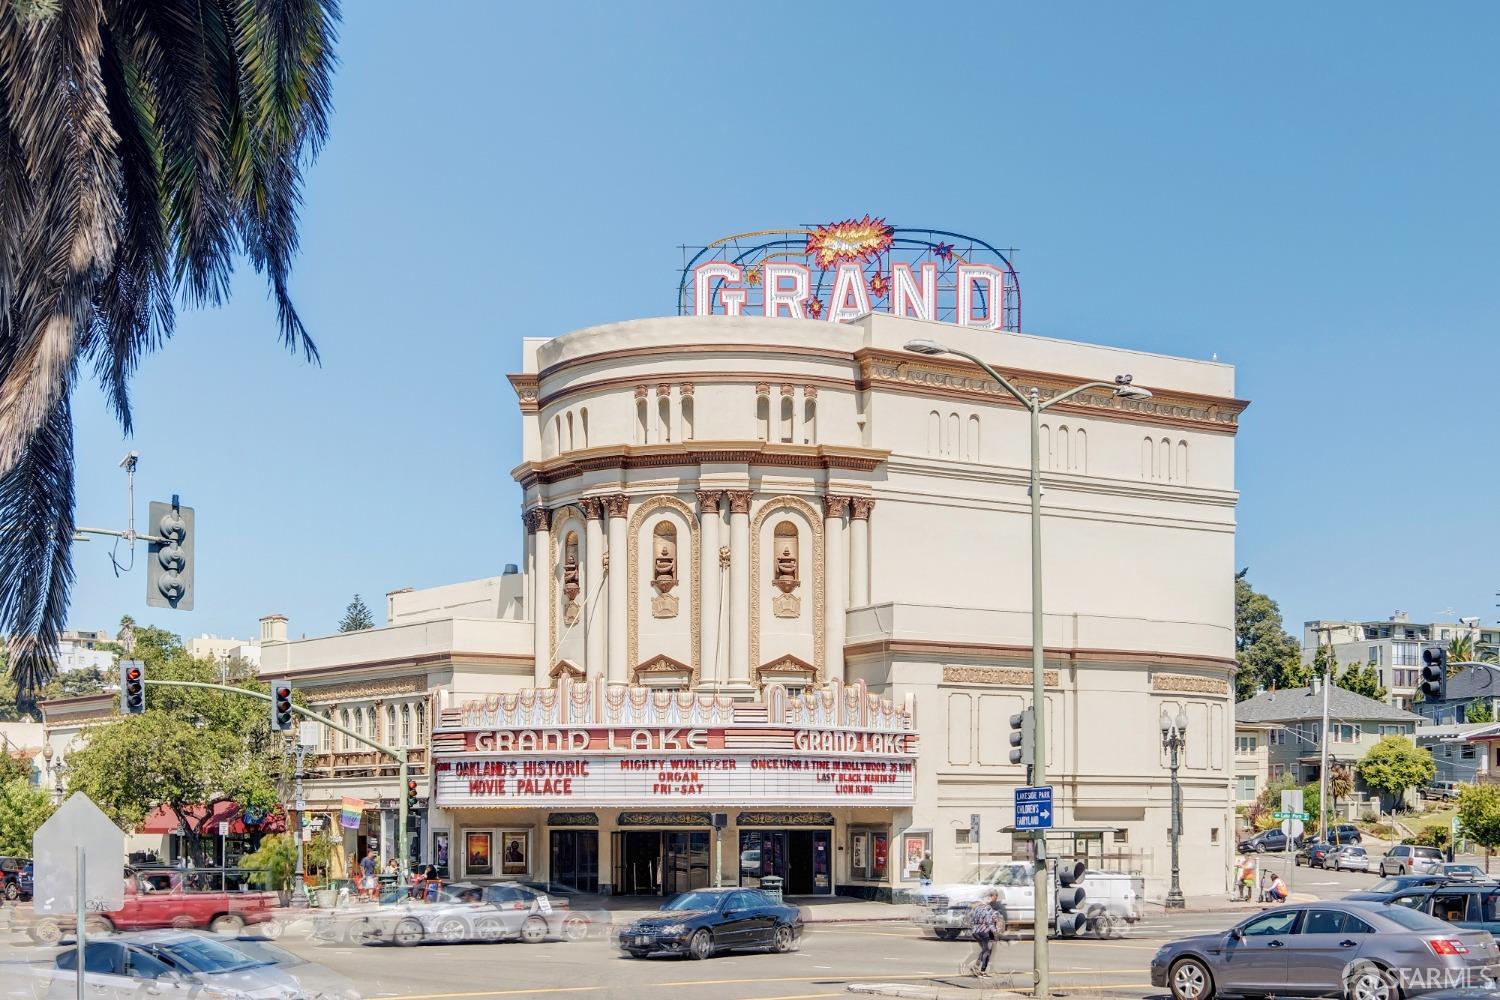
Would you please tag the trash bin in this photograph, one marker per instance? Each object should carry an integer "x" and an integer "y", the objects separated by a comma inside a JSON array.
[{"x": 771, "y": 886}]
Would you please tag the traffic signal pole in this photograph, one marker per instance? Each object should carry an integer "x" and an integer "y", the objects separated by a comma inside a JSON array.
[{"x": 403, "y": 848}]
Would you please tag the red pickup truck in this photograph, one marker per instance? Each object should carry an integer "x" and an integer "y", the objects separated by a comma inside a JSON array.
[{"x": 221, "y": 900}]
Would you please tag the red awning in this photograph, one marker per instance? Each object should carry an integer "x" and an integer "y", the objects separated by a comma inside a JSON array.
[{"x": 164, "y": 820}]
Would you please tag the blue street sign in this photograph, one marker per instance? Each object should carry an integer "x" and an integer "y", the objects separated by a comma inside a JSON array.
[{"x": 1034, "y": 808}]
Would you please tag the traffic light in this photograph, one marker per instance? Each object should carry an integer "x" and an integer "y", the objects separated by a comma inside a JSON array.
[
  {"x": 281, "y": 707},
  {"x": 132, "y": 687},
  {"x": 411, "y": 795},
  {"x": 1434, "y": 685},
  {"x": 1022, "y": 731},
  {"x": 1070, "y": 918},
  {"x": 169, "y": 570}
]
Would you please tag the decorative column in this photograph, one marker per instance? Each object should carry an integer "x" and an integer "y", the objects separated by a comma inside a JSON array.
[
  {"x": 739, "y": 588},
  {"x": 709, "y": 667},
  {"x": 835, "y": 577},
  {"x": 859, "y": 551},
  {"x": 540, "y": 584},
  {"x": 593, "y": 607},
  {"x": 615, "y": 507}
]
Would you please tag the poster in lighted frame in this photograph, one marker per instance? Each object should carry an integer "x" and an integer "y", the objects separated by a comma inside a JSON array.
[{"x": 479, "y": 858}]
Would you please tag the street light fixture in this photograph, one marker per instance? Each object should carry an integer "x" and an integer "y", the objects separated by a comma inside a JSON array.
[
  {"x": 1124, "y": 388},
  {"x": 1173, "y": 741}
]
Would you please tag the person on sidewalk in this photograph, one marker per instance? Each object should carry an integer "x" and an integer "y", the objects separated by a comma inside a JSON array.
[
  {"x": 984, "y": 924},
  {"x": 1277, "y": 892},
  {"x": 1247, "y": 878}
]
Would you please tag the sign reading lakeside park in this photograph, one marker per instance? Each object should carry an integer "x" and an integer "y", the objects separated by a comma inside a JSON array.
[{"x": 614, "y": 766}]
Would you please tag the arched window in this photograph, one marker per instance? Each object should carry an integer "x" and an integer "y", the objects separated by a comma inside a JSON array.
[
  {"x": 421, "y": 724},
  {"x": 406, "y": 725},
  {"x": 763, "y": 416},
  {"x": 1182, "y": 462},
  {"x": 344, "y": 719},
  {"x": 972, "y": 440},
  {"x": 327, "y": 740},
  {"x": 570, "y": 431},
  {"x": 809, "y": 421},
  {"x": 950, "y": 446},
  {"x": 640, "y": 421},
  {"x": 390, "y": 723},
  {"x": 583, "y": 425},
  {"x": 687, "y": 418},
  {"x": 934, "y": 433},
  {"x": 359, "y": 722},
  {"x": 1164, "y": 461},
  {"x": 1064, "y": 455},
  {"x": 664, "y": 418},
  {"x": 786, "y": 419},
  {"x": 1080, "y": 451},
  {"x": 1148, "y": 459}
]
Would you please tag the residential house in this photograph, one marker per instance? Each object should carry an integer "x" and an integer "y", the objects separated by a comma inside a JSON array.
[
  {"x": 1355, "y": 724},
  {"x": 1458, "y": 757},
  {"x": 1469, "y": 685},
  {"x": 1251, "y": 760}
]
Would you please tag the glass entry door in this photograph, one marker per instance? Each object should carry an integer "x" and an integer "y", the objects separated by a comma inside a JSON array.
[
  {"x": 575, "y": 859},
  {"x": 802, "y": 859}
]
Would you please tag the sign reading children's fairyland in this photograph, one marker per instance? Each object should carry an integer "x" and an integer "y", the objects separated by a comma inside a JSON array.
[{"x": 842, "y": 270}]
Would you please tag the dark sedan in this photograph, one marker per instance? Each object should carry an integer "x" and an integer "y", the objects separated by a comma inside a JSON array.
[
  {"x": 1265, "y": 841},
  {"x": 1314, "y": 855},
  {"x": 1363, "y": 950},
  {"x": 1394, "y": 885},
  {"x": 704, "y": 921}
]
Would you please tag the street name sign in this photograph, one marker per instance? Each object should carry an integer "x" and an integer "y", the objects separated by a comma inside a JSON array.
[
  {"x": 1034, "y": 808},
  {"x": 78, "y": 828}
]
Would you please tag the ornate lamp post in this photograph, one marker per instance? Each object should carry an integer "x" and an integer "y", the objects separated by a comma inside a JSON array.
[{"x": 1173, "y": 740}]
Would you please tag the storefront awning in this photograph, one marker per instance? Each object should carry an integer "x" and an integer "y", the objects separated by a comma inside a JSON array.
[{"x": 164, "y": 820}]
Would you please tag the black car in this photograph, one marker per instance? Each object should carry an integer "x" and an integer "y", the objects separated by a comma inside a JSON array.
[
  {"x": 1392, "y": 886},
  {"x": 1314, "y": 855},
  {"x": 704, "y": 921},
  {"x": 1266, "y": 840},
  {"x": 15, "y": 878}
]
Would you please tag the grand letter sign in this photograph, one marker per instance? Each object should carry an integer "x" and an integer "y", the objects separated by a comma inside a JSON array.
[{"x": 677, "y": 766}]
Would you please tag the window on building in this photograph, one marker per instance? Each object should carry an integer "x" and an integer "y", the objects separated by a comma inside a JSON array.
[
  {"x": 763, "y": 417},
  {"x": 1245, "y": 744},
  {"x": 1213, "y": 835},
  {"x": 961, "y": 836},
  {"x": 1345, "y": 733},
  {"x": 640, "y": 421},
  {"x": 687, "y": 418},
  {"x": 1466, "y": 752},
  {"x": 406, "y": 725},
  {"x": 1391, "y": 730},
  {"x": 1244, "y": 788},
  {"x": 390, "y": 723},
  {"x": 421, "y": 724},
  {"x": 1404, "y": 654},
  {"x": 359, "y": 722},
  {"x": 327, "y": 741},
  {"x": 664, "y": 418},
  {"x": 788, "y": 408},
  {"x": 372, "y": 719}
]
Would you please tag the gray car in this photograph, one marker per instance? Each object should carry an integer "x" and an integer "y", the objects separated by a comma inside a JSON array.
[
  {"x": 1409, "y": 859},
  {"x": 1358, "y": 949}
]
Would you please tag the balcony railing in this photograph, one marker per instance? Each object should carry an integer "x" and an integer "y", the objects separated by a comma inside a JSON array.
[{"x": 364, "y": 764}]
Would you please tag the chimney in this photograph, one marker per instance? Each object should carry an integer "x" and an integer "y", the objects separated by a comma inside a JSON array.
[{"x": 272, "y": 629}]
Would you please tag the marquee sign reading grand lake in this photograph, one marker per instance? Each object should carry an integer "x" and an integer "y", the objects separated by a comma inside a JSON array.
[{"x": 842, "y": 270}]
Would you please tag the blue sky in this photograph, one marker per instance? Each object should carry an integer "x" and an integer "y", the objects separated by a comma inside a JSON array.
[{"x": 1308, "y": 191}]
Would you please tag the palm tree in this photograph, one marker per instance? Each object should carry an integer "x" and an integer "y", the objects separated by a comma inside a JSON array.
[
  {"x": 144, "y": 144},
  {"x": 1461, "y": 649}
]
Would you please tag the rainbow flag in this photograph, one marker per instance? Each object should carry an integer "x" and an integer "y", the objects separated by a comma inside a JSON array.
[{"x": 350, "y": 813}]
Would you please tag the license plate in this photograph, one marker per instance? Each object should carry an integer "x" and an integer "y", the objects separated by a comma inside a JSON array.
[{"x": 640, "y": 939}]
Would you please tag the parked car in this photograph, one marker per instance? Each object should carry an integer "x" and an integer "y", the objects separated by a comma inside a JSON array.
[
  {"x": 1460, "y": 871},
  {"x": 15, "y": 878},
  {"x": 1442, "y": 791},
  {"x": 222, "y": 902},
  {"x": 1314, "y": 855},
  {"x": 1344, "y": 833},
  {"x": 1349, "y": 858},
  {"x": 704, "y": 921},
  {"x": 1338, "y": 948},
  {"x": 1409, "y": 859},
  {"x": 1110, "y": 901},
  {"x": 1266, "y": 840},
  {"x": 1383, "y": 890},
  {"x": 177, "y": 964}
]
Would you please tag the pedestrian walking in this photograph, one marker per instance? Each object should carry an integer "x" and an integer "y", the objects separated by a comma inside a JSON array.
[
  {"x": 984, "y": 925},
  {"x": 367, "y": 872},
  {"x": 1246, "y": 880}
]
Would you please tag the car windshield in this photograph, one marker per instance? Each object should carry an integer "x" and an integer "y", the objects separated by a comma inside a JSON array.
[
  {"x": 1007, "y": 875},
  {"x": 264, "y": 952},
  {"x": 695, "y": 901},
  {"x": 203, "y": 955},
  {"x": 1414, "y": 920},
  {"x": 1394, "y": 884}
]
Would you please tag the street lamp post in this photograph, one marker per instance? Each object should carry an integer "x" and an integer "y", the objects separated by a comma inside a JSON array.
[
  {"x": 1031, "y": 399},
  {"x": 299, "y": 805},
  {"x": 1173, "y": 740}
]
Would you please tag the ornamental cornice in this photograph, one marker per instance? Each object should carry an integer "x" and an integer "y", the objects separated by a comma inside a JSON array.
[
  {"x": 365, "y": 690},
  {"x": 622, "y": 458},
  {"x": 1189, "y": 684},
  {"x": 526, "y": 387},
  {"x": 1002, "y": 676}
]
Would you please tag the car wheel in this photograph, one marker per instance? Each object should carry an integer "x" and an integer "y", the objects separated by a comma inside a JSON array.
[
  {"x": 947, "y": 933},
  {"x": 1368, "y": 981},
  {"x": 452, "y": 930},
  {"x": 407, "y": 933},
  {"x": 782, "y": 941},
  {"x": 12, "y": 891},
  {"x": 227, "y": 925},
  {"x": 575, "y": 928},
  {"x": 46, "y": 932},
  {"x": 1189, "y": 979},
  {"x": 534, "y": 930},
  {"x": 489, "y": 929},
  {"x": 701, "y": 945}
]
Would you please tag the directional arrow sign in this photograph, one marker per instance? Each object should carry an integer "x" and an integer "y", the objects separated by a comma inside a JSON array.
[{"x": 1034, "y": 808}]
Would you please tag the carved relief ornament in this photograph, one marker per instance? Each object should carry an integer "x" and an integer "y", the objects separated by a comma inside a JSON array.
[
  {"x": 615, "y": 504},
  {"x": 739, "y": 501},
  {"x": 835, "y": 506},
  {"x": 862, "y": 507},
  {"x": 1189, "y": 684}
]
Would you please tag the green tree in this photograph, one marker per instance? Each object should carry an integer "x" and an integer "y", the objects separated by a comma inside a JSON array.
[
  {"x": 1340, "y": 784},
  {"x": 22, "y": 809},
  {"x": 1266, "y": 654},
  {"x": 13, "y": 767},
  {"x": 10, "y": 695},
  {"x": 1461, "y": 649},
  {"x": 75, "y": 683},
  {"x": 1394, "y": 765},
  {"x": 357, "y": 617},
  {"x": 1479, "y": 814},
  {"x": 1480, "y": 711},
  {"x": 148, "y": 148},
  {"x": 188, "y": 752},
  {"x": 276, "y": 854},
  {"x": 1363, "y": 680}
]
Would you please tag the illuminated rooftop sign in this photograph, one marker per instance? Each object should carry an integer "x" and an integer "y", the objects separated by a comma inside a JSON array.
[{"x": 845, "y": 269}]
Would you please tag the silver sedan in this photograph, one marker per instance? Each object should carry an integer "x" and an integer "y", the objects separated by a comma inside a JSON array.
[
  {"x": 1349, "y": 858},
  {"x": 1359, "y": 949}
]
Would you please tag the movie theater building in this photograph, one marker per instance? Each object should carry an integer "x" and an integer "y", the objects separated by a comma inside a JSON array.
[{"x": 773, "y": 612}]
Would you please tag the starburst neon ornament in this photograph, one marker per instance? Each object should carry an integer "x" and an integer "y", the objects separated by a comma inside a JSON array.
[
  {"x": 815, "y": 308},
  {"x": 943, "y": 251},
  {"x": 752, "y": 276},
  {"x": 879, "y": 285},
  {"x": 853, "y": 240}
]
